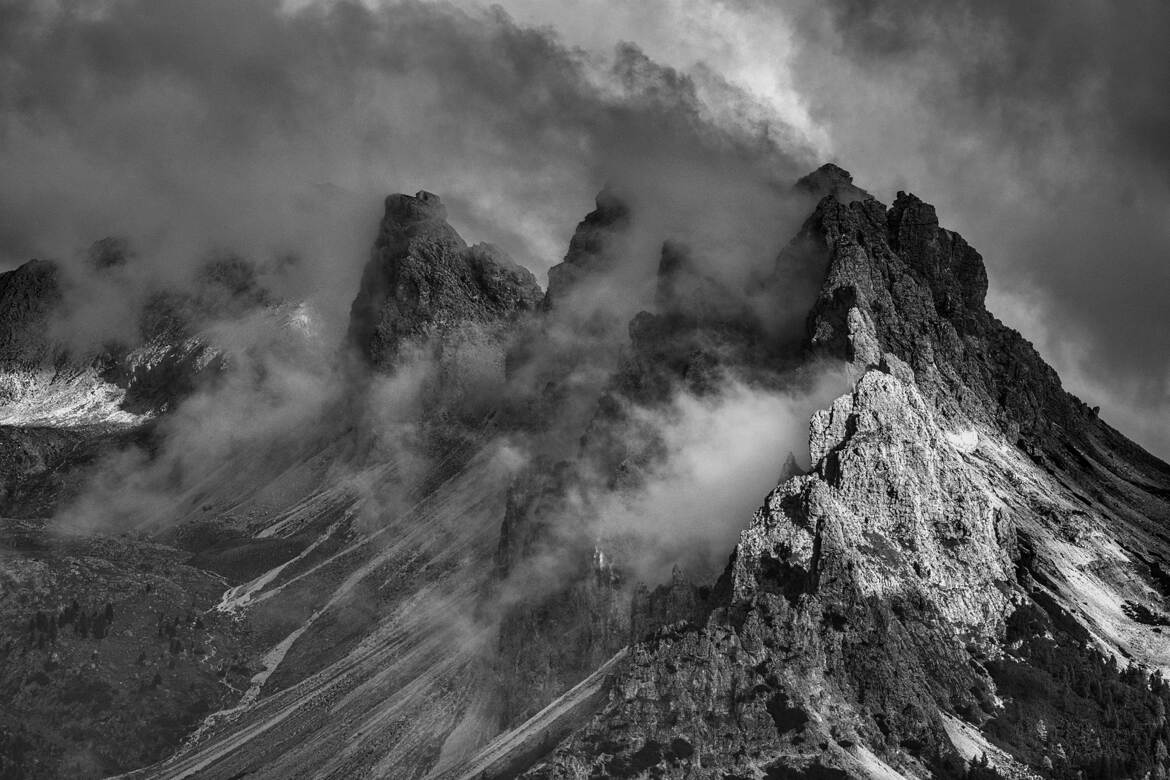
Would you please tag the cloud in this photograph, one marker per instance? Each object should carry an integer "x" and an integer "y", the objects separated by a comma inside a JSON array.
[
  {"x": 721, "y": 455},
  {"x": 268, "y": 130},
  {"x": 271, "y": 133},
  {"x": 273, "y": 398},
  {"x": 273, "y": 130},
  {"x": 1038, "y": 131},
  {"x": 697, "y": 468}
]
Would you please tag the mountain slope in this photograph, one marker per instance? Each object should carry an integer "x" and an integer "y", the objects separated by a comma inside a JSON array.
[
  {"x": 966, "y": 526},
  {"x": 423, "y": 572}
]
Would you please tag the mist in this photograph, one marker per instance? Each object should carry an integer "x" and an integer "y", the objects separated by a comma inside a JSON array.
[
  {"x": 723, "y": 454},
  {"x": 271, "y": 131},
  {"x": 166, "y": 122},
  {"x": 1038, "y": 130}
]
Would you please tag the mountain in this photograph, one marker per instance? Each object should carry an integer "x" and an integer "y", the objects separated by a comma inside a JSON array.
[{"x": 491, "y": 542}]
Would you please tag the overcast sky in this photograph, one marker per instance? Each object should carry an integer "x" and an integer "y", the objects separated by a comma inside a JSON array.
[{"x": 1040, "y": 130}]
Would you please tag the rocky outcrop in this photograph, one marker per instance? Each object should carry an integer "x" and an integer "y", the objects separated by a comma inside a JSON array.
[
  {"x": 48, "y": 381},
  {"x": 423, "y": 282},
  {"x": 861, "y": 596},
  {"x": 899, "y": 282},
  {"x": 109, "y": 252},
  {"x": 63, "y": 404},
  {"x": 696, "y": 335},
  {"x": 566, "y": 608},
  {"x": 591, "y": 255},
  {"x": 832, "y": 180},
  {"x": 28, "y": 295}
]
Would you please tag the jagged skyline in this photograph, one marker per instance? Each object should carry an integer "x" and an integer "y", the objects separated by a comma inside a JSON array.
[
  {"x": 697, "y": 389},
  {"x": 1036, "y": 136},
  {"x": 491, "y": 526}
]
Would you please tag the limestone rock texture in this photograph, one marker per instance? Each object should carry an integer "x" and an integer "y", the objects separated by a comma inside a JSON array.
[
  {"x": 859, "y": 599},
  {"x": 918, "y": 289}
]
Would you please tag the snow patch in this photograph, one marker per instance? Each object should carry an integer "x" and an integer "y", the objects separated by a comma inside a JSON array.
[
  {"x": 48, "y": 399},
  {"x": 966, "y": 441}
]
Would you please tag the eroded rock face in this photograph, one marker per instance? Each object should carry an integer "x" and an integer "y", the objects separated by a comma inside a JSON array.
[
  {"x": 854, "y": 603},
  {"x": 832, "y": 180},
  {"x": 424, "y": 282},
  {"x": 898, "y": 282}
]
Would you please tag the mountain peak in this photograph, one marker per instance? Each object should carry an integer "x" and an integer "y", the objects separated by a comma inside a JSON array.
[
  {"x": 590, "y": 251},
  {"x": 924, "y": 572},
  {"x": 898, "y": 282},
  {"x": 423, "y": 206},
  {"x": 831, "y": 179},
  {"x": 109, "y": 252},
  {"x": 423, "y": 279}
]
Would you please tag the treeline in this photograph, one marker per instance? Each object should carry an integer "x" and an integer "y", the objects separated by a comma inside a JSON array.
[
  {"x": 18, "y": 754},
  {"x": 947, "y": 765},
  {"x": 44, "y": 628},
  {"x": 1070, "y": 711},
  {"x": 170, "y": 628}
]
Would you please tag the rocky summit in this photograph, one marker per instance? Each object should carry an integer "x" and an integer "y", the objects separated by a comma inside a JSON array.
[{"x": 482, "y": 549}]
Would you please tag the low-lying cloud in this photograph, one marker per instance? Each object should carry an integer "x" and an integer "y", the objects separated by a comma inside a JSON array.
[
  {"x": 723, "y": 454},
  {"x": 271, "y": 131}
]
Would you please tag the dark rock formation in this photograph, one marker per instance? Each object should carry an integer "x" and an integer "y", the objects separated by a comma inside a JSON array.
[
  {"x": 28, "y": 295},
  {"x": 560, "y": 363},
  {"x": 832, "y": 180},
  {"x": 110, "y": 252},
  {"x": 700, "y": 335},
  {"x": 591, "y": 254},
  {"x": 919, "y": 289},
  {"x": 424, "y": 282}
]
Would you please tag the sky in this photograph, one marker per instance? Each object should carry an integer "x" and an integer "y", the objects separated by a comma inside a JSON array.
[{"x": 1039, "y": 130}]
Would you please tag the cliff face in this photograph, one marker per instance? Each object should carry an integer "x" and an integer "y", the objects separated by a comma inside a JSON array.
[{"x": 854, "y": 613}]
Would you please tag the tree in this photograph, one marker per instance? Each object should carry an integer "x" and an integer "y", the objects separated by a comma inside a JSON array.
[{"x": 99, "y": 625}]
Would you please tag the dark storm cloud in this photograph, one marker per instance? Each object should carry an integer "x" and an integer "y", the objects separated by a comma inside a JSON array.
[
  {"x": 243, "y": 127},
  {"x": 248, "y": 126},
  {"x": 1042, "y": 132}
]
